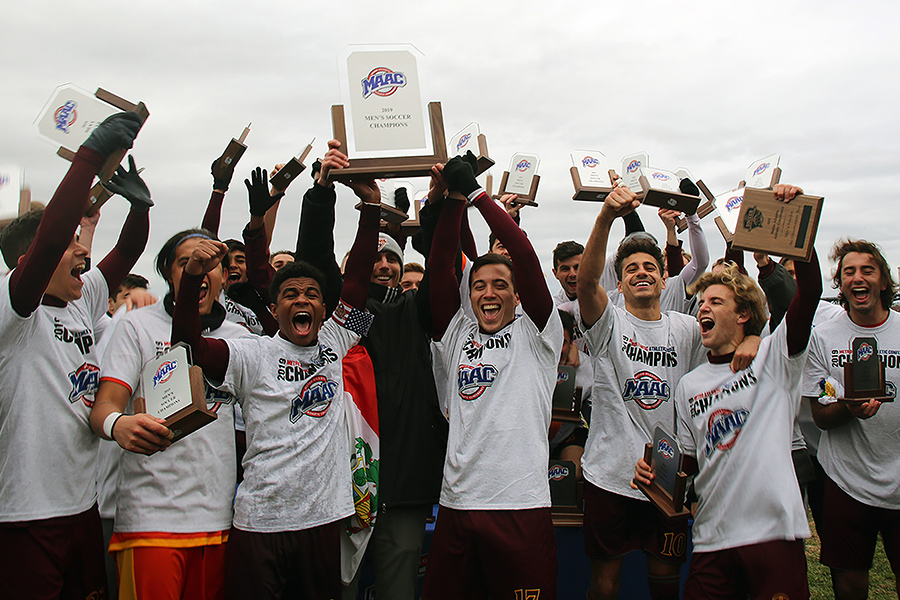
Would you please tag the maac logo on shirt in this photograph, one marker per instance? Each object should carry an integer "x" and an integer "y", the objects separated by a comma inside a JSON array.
[
  {"x": 314, "y": 399},
  {"x": 85, "y": 380},
  {"x": 474, "y": 380},
  {"x": 216, "y": 398},
  {"x": 724, "y": 428},
  {"x": 646, "y": 389}
]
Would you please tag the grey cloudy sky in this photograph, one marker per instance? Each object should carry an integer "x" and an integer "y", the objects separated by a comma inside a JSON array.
[{"x": 707, "y": 85}]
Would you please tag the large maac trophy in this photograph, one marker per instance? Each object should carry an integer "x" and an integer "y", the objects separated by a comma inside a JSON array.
[
  {"x": 68, "y": 120},
  {"x": 384, "y": 128}
]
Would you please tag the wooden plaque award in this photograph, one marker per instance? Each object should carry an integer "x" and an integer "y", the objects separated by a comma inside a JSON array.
[
  {"x": 661, "y": 189},
  {"x": 383, "y": 126},
  {"x": 768, "y": 225},
  {"x": 864, "y": 373},
  {"x": 173, "y": 389},
  {"x": 591, "y": 176},
  {"x": 71, "y": 116},
  {"x": 521, "y": 179},
  {"x": 667, "y": 490},
  {"x": 471, "y": 138},
  {"x": 288, "y": 173},
  {"x": 566, "y": 396},
  {"x": 233, "y": 153}
]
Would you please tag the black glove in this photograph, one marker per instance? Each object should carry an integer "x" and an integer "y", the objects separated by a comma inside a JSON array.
[
  {"x": 460, "y": 176},
  {"x": 222, "y": 174},
  {"x": 686, "y": 186},
  {"x": 316, "y": 169},
  {"x": 472, "y": 160},
  {"x": 117, "y": 131},
  {"x": 260, "y": 199},
  {"x": 401, "y": 199},
  {"x": 130, "y": 186}
]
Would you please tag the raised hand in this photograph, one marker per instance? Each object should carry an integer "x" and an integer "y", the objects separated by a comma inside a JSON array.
[
  {"x": 117, "y": 131},
  {"x": 130, "y": 186},
  {"x": 261, "y": 200}
]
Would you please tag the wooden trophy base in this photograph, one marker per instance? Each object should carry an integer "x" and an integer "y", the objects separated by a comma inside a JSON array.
[
  {"x": 191, "y": 418},
  {"x": 392, "y": 215},
  {"x": 526, "y": 199},
  {"x": 672, "y": 507},
  {"x": 390, "y": 168},
  {"x": 671, "y": 200},
  {"x": 856, "y": 397},
  {"x": 485, "y": 162},
  {"x": 588, "y": 193}
]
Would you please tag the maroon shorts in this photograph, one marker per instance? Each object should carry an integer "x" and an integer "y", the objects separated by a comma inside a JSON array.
[
  {"x": 850, "y": 529},
  {"x": 615, "y": 525},
  {"x": 505, "y": 553},
  {"x": 60, "y": 558},
  {"x": 303, "y": 564},
  {"x": 764, "y": 571}
]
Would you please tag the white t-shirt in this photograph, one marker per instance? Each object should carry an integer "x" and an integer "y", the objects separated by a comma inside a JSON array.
[
  {"x": 296, "y": 470},
  {"x": 637, "y": 365},
  {"x": 49, "y": 373},
  {"x": 739, "y": 427},
  {"x": 497, "y": 449},
  {"x": 189, "y": 487},
  {"x": 859, "y": 456}
]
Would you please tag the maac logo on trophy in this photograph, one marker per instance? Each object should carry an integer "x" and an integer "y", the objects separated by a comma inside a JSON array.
[
  {"x": 753, "y": 218},
  {"x": 383, "y": 82},
  {"x": 761, "y": 169},
  {"x": 463, "y": 141},
  {"x": 65, "y": 116},
  {"x": 633, "y": 166},
  {"x": 590, "y": 162},
  {"x": 523, "y": 166}
]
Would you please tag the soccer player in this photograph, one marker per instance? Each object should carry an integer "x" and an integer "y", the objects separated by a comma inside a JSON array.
[
  {"x": 49, "y": 524},
  {"x": 494, "y": 534},
  {"x": 856, "y": 450},
  {"x": 735, "y": 430},
  {"x": 639, "y": 354},
  {"x": 566, "y": 260},
  {"x": 285, "y": 541}
]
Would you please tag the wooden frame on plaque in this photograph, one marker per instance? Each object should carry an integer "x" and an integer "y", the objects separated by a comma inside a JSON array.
[
  {"x": 590, "y": 193},
  {"x": 768, "y": 225},
  {"x": 526, "y": 199},
  {"x": 187, "y": 419},
  {"x": 705, "y": 208},
  {"x": 113, "y": 160},
  {"x": 669, "y": 501},
  {"x": 232, "y": 154},
  {"x": 864, "y": 378},
  {"x": 463, "y": 138},
  {"x": 666, "y": 198},
  {"x": 389, "y": 168}
]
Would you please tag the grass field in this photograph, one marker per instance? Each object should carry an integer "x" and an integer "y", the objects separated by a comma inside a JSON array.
[{"x": 881, "y": 579}]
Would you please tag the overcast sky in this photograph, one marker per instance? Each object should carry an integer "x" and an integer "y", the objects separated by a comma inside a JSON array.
[{"x": 710, "y": 86}]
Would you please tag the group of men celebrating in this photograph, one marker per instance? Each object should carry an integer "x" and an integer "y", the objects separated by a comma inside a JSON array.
[{"x": 460, "y": 359}]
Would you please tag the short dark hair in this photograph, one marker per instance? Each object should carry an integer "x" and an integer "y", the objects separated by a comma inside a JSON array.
[
  {"x": 298, "y": 268},
  {"x": 131, "y": 281},
  {"x": 844, "y": 247},
  {"x": 635, "y": 245},
  {"x": 288, "y": 252},
  {"x": 565, "y": 251},
  {"x": 167, "y": 252},
  {"x": 413, "y": 267},
  {"x": 18, "y": 235},
  {"x": 492, "y": 259}
]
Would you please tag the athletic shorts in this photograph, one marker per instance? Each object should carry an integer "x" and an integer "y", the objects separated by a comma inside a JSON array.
[
  {"x": 504, "y": 553},
  {"x": 849, "y": 530},
  {"x": 303, "y": 564},
  {"x": 164, "y": 573},
  {"x": 615, "y": 525},
  {"x": 764, "y": 571},
  {"x": 60, "y": 558}
]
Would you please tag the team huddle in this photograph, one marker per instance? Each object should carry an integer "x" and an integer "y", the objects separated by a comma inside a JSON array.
[{"x": 453, "y": 367}]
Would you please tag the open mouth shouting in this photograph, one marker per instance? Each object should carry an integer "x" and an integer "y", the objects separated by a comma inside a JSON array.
[
  {"x": 77, "y": 271},
  {"x": 491, "y": 311},
  {"x": 302, "y": 323},
  {"x": 706, "y": 324}
]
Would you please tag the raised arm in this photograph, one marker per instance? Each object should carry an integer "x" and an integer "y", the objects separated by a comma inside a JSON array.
[
  {"x": 315, "y": 238},
  {"x": 208, "y": 353},
  {"x": 778, "y": 286},
  {"x": 64, "y": 211},
  {"x": 133, "y": 238},
  {"x": 443, "y": 284},
  {"x": 358, "y": 270},
  {"x": 592, "y": 298},
  {"x": 699, "y": 251}
]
